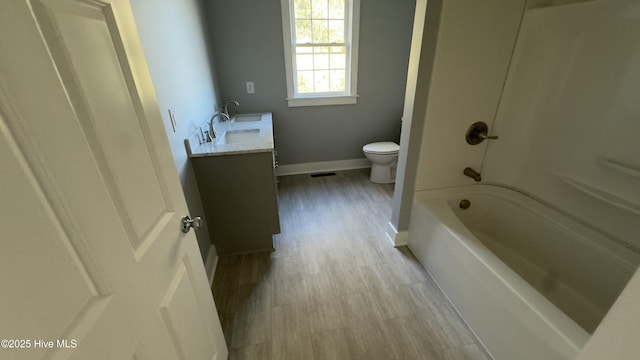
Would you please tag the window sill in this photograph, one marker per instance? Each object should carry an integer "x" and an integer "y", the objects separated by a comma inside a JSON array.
[{"x": 323, "y": 101}]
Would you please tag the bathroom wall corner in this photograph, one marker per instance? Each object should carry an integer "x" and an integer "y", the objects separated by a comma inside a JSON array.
[
  {"x": 397, "y": 238},
  {"x": 421, "y": 61}
]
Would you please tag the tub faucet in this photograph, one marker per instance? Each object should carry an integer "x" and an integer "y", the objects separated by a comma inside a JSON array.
[
  {"x": 225, "y": 107},
  {"x": 212, "y": 130},
  {"x": 472, "y": 174}
]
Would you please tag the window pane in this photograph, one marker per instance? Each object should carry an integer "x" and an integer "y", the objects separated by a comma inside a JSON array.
[
  {"x": 336, "y": 9},
  {"x": 303, "y": 31},
  {"x": 337, "y": 59},
  {"x": 337, "y": 80},
  {"x": 336, "y": 31},
  {"x": 305, "y": 82},
  {"x": 302, "y": 9},
  {"x": 321, "y": 81},
  {"x": 304, "y": 62},
  {"x": 319, "y": 9},
  {"x": 321, "y": 59},
  {"x": 320, "y": 31}
]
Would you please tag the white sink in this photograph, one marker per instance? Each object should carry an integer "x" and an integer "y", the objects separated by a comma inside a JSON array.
[
  {"x": 246, "y": 117},
  {"x": 240, "y": 136}
]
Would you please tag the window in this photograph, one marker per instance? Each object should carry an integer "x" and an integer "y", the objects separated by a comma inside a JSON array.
[{"x": 321, "y": 51}]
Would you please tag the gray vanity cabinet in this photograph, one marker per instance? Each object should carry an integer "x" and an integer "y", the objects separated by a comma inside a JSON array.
[{"x": 240, "y": 198}]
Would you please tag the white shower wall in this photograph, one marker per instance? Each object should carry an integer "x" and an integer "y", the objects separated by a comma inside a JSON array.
[
  {"x": 474, "y": 46},
  {"x": 569, "y": 117}
]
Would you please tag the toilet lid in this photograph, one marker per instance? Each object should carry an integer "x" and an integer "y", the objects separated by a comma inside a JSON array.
[{"x": 384, "y": 147}]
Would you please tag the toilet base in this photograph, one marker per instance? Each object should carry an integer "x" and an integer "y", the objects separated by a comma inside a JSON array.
[{"x": 383, "y": 174}]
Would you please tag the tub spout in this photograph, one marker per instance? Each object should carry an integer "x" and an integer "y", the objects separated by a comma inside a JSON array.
[{"x": 472, "y": 174}]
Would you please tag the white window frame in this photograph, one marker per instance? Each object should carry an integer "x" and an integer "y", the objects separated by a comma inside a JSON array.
[{"x": 352, "y": 35}]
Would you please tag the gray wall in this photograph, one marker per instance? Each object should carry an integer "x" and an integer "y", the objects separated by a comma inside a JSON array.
[
  {"x": 248, "y": 46},
  {"x": 175, "y": 46}
]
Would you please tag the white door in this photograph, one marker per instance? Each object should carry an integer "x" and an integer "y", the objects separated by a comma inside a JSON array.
[{"x": 91, "y": 251}]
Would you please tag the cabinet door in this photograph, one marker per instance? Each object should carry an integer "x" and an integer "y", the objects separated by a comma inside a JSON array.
[{"x": 240, "y": 199}]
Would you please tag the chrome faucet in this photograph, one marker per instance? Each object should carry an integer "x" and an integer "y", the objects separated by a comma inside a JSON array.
[
  {"x": 472, "y": 174},
  {"x": 225, "y": 108},
  {"x": 212, "y": 130}
]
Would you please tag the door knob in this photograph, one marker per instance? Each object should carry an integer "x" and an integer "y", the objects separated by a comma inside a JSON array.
[{"x": 187, "y": 223}]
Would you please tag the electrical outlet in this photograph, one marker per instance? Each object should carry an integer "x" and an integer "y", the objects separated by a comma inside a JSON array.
[{"x": 250, "y": 87}]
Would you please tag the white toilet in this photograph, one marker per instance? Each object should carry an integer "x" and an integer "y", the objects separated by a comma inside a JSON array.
[{"x": 384, "y": 161}]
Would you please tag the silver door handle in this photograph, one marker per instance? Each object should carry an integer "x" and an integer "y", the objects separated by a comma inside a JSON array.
[{"x": 187, "y": 223}]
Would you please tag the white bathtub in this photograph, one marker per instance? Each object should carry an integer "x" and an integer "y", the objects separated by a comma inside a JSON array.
[{"x": 530, "y": 282}]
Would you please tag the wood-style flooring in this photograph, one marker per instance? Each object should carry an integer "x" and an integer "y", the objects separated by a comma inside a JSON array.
[{"x": 335, "y": 287}]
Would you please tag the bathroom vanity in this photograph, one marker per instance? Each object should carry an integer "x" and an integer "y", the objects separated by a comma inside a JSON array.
[{"x": 237, "y": 182}]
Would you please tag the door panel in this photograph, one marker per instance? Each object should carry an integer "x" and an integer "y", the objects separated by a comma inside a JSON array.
[
  {"x": 91, "y": 202},
  {"x": 180, "y": 313},
  {"x": 100, "y": 74},
  {"x": 34, "y": 232}
]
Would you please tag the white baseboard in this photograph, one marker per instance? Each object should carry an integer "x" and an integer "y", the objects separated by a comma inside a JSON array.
[
  {"x": 323, "y": 166},
  {"x": 397, "y": 238},
  {"x": 211, "y": 264},
  {"x": 402, "y": 238}
]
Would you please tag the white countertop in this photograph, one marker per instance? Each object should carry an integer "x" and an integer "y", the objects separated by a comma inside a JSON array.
[{"x": 264, "y": 142}]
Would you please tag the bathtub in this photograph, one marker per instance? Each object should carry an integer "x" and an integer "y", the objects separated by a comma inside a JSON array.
[{"x": 531, "y": 282}]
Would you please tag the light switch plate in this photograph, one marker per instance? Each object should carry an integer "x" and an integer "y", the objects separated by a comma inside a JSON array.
[
  {"x": 172, "y": 117},
  {"x": 250, "y": 87}
]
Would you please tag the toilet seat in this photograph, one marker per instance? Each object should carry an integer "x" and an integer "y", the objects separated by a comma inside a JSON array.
[{"x": 381, "y": 148}]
